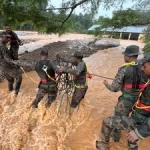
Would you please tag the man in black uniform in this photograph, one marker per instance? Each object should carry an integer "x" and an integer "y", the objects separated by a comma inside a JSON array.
[
  {"x": 13, "y": 42},
  {"x": 46, "y": 71}
]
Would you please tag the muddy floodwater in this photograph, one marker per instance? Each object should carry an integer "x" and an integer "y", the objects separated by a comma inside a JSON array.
[{"x": 24, "y": 128}]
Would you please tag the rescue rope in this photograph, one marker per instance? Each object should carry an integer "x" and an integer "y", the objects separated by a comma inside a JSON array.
[
  {"x": 136, "y": 104},
  {"x": 102, "y": 76},
  {"x": 28, "y": 76},
  {"x": 49, "y": 76},
  {"x": 133, "y": 63}
]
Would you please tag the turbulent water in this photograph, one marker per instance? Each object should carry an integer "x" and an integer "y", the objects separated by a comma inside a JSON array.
[{"x": 24, "y": 128}]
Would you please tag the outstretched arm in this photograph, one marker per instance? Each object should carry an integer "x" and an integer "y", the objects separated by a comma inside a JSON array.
[{"x": 117, "y": 82}]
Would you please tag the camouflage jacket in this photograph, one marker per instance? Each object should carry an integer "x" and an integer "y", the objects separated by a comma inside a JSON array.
[
  {"x": 79, "y": 71},
  {"x": 125, "y": 77},
  {"x": 143, "y": 130},
  {"x": 6, "y": 63}
]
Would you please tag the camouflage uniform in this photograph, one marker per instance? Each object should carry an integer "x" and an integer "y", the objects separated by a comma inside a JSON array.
[
  {"x": 128, "y": 97},
  {"x": 14, "y": 44},
  {"x": 9, "y": 70},
  {"x": 139, "y": 117},
  {"x": 129, "y": 80},
  {"x": 46, "y": 85},
  {"x": 80, "y": 82}
]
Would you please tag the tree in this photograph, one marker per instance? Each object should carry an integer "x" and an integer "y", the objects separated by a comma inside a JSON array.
[
  {"x": 81, "y": 22},
  {"x": 45, "y": 18}
]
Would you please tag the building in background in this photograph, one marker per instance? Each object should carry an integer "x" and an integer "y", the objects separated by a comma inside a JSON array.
[{"x": 129, "y": 32}]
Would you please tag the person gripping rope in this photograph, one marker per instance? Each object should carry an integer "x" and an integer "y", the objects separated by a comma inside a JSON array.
[
  {"x": 7, "y": 66},
  {"x": 46, "y": 70},
  {"x": 139, "y": 118},
  {"x": 129, "y": 80},
  {"x": 80, "y": 77}
]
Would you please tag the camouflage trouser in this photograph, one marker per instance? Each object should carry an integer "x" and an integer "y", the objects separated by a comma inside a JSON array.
[
  {"x": 123, "y": 108},
  {"x": 51, "y": 90},
  {"x": 78, "y": 95},
  {"x": 11, "y": 78},
  {"x": 14, "y": 52},
  {"x": 121, "y": 123}
]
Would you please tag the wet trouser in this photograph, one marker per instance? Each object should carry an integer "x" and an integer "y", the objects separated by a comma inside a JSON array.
[
  {"x": 51, "y": 90},
  {"x": 11, "y": 80},
  {"x": 78, "y": 95},
  {"x": 14, "y": 52},
  {"x": 124, "y": 123},
  {"x": 123, "y": 108}
]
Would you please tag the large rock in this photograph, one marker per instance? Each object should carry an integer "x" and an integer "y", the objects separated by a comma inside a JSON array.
[{"x": 106, "y": 43}]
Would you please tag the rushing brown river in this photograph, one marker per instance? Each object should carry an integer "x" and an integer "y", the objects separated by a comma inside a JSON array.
[{"x": 25, "y": 128}]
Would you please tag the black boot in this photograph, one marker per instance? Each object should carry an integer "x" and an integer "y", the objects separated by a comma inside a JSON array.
[
  {"x": 17, "y": 87},
  {"x": 10, "y": 87}
]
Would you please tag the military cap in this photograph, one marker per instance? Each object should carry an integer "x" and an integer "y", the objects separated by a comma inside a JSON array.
[
  {"x": 131, "y": 50},
  {"x": 78, "y": 55},
  {"x": 146, "y": 58},
  {"x": 44, "y": 52}
]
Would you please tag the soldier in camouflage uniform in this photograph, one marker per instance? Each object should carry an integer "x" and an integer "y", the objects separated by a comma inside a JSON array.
[
  {"x": 140, "y": 116},
  {"x": 7, "y": 66},
  {"x": 129, "y": 80},
  {"x": 14, "y": 42},
  {"x": 46, "y": 71},
  {"x": 80, "y": 74}
]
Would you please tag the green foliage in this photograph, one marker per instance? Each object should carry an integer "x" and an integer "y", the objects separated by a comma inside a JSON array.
[
  {"x": 147, "y": 35},
  {"x": 22, "y": 12},
  {"x": 125, "y": 18},
  {"x": 80, "y": 23},
  {"x": 146, "y": 48}
]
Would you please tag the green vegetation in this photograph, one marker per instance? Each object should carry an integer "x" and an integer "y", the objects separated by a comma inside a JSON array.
[{"x": 44, "y": 17}]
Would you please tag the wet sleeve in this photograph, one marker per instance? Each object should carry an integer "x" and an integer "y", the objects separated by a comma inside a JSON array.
[
  {"x": 16, "y": 37},
  {"x": 6, "y": 57},
  {"x": 26, "y": 64},
  {"x": 143, "y": 131},
  {"x": 117, "y": 82},
  {"x": 80, "y": 67}
]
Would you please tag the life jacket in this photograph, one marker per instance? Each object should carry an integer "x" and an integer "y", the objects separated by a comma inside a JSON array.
[
  {"x": 49, "y": 74},
  {"x": 129, "y": 92},
  {"x": 80, "y": 80},
  {"x": 143, "y": 103}
]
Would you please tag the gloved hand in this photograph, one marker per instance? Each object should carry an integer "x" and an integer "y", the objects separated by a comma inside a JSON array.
[{"x": 89, "y": 75}]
